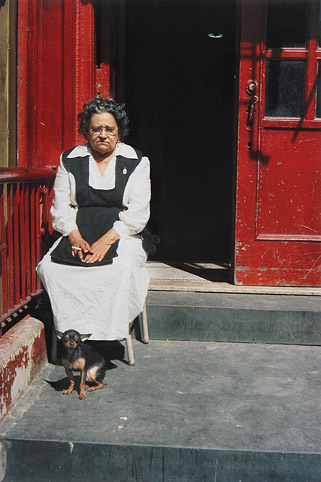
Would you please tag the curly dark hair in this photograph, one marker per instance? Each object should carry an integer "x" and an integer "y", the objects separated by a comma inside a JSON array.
[{"x": 97, "y": 105}]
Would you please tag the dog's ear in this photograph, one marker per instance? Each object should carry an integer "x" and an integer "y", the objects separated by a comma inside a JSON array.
[
  {"x": 85, "y": 337},
  {"x": 59, "y": 334}
]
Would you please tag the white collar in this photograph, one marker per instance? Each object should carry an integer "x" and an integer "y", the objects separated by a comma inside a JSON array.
[{"x": 122, "y": 149}]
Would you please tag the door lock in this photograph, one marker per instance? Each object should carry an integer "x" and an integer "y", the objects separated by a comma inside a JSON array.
[{"x": 251, "y": 87}]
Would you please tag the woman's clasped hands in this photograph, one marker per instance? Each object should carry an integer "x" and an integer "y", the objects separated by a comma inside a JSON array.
[{"x": 95, "y": 252}]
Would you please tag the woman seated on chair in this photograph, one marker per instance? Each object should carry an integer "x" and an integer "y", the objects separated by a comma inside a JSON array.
[{"x": 94, "y": 274}]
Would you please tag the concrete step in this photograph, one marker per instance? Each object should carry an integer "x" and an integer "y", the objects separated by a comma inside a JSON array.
[
  {"x": 22, "y": 357},
  {"x": 186, "y": 412},
  {"x": 211, "y": 278},
  {"x": 234, "y": 317}
]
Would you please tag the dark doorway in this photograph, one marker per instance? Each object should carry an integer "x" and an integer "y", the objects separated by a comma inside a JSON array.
[{"x": 179, "y": 91}]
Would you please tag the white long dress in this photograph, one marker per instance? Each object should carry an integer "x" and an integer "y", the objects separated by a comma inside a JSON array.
[{"x": 100, "y": 300}]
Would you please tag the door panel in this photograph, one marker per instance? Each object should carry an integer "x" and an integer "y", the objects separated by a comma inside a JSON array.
[
  {"x": 278, "y": 202},
  {"x": 287, "y": 203}
]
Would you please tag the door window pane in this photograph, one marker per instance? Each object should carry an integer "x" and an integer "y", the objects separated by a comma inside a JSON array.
[
  {"x": 318, "y": 108},
  {"x": 286, "y": 23},
  {"x": 284, "y": 88}
]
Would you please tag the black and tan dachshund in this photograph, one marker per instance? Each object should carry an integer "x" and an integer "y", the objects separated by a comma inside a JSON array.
[{"x": 82, "y": 358}]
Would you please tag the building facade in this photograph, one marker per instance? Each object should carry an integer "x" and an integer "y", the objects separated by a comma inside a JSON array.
[{"x": 224, "y": 96}]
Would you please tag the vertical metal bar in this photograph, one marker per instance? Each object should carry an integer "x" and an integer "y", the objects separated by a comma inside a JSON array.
[
  {"x": 16, "y": 250},
  {"x": 3, "y": 252},
  {"x": 27, "y": 237},
  {"x": 49, "y": 203},
  {"x": 33, "y": 237},
  {"x": 22, "y": 242},
  {"x": 10, "y": 188},
  {"x": 37, "y": 228}
]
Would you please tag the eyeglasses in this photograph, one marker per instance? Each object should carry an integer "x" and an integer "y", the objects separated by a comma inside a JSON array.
[{"x": 110, "y": 131}]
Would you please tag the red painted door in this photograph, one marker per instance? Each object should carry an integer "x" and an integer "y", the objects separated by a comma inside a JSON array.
[{"x": 278, "y": 178}]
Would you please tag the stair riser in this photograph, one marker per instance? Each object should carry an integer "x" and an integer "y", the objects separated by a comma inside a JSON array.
[
  {"x": 234, "y": 325},
  {"x": 52, "y": 461}
]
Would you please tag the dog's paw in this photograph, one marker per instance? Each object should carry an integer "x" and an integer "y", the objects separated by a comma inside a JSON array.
[{"x": 67, "y": 392}]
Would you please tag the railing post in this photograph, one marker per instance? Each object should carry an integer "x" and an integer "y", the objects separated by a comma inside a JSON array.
[{"x": 3, "y": 254}]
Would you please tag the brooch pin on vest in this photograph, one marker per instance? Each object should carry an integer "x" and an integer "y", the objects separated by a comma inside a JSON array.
[{"x": 124, "y": 170}]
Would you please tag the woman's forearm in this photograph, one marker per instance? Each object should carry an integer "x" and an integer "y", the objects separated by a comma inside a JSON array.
[{"x": 110, "y": 237}]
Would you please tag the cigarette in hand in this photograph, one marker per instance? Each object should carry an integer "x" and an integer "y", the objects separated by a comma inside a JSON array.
[{"x": 75, "y": 247}]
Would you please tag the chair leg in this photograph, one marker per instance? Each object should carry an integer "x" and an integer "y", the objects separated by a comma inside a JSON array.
[
  {"x": 130, "y": 350},
  {"x": 145, "y": 337}
]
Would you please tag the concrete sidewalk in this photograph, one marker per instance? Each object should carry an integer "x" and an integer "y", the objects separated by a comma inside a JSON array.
[{"x": 187, "y": 411}]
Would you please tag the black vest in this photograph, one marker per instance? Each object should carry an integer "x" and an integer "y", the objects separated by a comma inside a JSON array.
[{"x": 98, "y": 209}]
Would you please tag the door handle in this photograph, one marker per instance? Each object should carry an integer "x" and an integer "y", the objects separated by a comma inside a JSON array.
[{"x": 251, "y": 111}]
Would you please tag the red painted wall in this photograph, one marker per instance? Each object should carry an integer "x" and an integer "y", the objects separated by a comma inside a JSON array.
[{"x": 56, "y": 76}]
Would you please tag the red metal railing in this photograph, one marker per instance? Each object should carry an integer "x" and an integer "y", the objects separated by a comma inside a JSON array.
[{"x": 25, "y": 197}]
